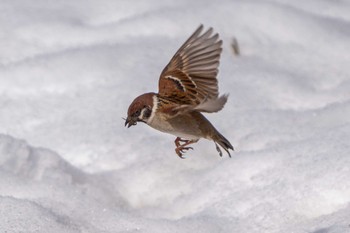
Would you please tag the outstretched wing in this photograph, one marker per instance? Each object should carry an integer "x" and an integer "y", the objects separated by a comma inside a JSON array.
[{"x": 189, "y": 80}]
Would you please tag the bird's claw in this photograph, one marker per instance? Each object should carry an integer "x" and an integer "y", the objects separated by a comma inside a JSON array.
[
  {"x": 178, "y": 140},
  {"x": 181, "y": 150}
]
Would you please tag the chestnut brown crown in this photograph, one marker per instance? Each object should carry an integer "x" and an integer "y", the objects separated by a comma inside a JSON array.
[{"x": 140, "y": 109}]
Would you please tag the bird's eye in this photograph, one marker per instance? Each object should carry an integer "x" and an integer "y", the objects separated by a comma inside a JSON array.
[{"x": 137, "y": 113}]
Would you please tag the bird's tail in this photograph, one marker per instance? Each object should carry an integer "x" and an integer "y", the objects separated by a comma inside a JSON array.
[{"x": 223, "y": 142}]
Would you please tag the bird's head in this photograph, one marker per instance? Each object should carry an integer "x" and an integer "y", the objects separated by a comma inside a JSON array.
[{"x": 140, "y": 109}]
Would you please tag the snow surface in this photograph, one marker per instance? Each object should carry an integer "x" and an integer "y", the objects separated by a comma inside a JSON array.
[{"x": 69, "y": 70}]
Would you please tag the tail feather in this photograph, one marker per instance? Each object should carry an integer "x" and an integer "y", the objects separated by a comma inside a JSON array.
[
  {"x": 212, "y": 105},
  {"x": 223, "y": 142}
]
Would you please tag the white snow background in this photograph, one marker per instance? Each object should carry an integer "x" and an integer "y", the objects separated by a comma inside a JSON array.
[{"x": 70, "y": 69}]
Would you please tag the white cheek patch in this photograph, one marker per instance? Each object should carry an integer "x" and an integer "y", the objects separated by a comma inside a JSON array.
[
  {"x": 145, "y": 114},
  {"x": 142, "y": 114}
]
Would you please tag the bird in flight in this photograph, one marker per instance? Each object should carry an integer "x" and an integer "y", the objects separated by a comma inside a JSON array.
[{"x": 187, "y": 88}]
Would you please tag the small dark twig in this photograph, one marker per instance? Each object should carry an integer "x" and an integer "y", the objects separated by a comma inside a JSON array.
[{"x": 235, "y": 47}]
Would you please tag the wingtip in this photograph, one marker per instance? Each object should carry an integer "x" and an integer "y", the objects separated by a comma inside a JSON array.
[
  {"x": 210, "y": 30},
  {"x": 206, "y": 33},
  {"x": 226, "y": 95},
  {"x": 199, "y": 29}
]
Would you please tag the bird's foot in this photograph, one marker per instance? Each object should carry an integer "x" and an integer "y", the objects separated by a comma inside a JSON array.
[
  {"x": 178, "y": 140},
  {"x": 181, "y": 150}
]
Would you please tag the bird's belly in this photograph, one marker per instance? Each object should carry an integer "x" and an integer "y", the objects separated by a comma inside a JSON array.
[{"x": 176, "y": 128}]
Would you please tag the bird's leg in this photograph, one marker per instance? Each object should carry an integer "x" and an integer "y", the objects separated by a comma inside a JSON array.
[
  {"x": 178, "y": 140},
  {"x": 180, "y": 149}
]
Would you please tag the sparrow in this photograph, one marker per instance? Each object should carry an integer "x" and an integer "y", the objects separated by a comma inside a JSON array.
[{"x": 187, "y": 88}]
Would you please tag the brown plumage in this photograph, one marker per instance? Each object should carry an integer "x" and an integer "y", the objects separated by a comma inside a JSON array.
[{"x": 187, "y": 87}]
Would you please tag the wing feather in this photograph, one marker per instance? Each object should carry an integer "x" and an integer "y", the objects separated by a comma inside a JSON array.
[{"x": 189, "y": 79}]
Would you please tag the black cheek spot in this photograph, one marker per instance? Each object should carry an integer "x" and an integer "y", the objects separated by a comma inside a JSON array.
[{"x": 147, "y": 113}]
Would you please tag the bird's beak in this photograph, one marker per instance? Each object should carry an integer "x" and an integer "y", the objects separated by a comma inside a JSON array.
[{"x": 130, "y": 121}]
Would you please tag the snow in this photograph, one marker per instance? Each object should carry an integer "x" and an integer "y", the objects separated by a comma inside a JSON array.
[{"x": 70, "y": 69}]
